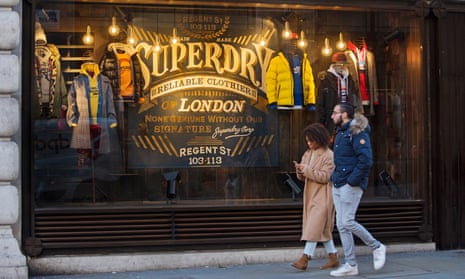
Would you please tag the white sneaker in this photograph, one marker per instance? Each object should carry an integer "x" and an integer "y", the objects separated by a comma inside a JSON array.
[
  {"x": 379, "y": 257},
  {"x": 345, "y": 270}
]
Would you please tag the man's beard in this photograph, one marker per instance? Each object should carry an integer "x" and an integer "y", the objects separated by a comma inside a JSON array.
[{"x": 338, "y": 121}]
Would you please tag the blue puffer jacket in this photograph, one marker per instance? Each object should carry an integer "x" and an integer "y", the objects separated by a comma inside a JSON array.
[{"x": 352, "y": 153}]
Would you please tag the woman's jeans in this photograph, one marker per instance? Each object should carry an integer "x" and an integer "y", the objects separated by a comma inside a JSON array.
[{"x": 346, "y": 201}]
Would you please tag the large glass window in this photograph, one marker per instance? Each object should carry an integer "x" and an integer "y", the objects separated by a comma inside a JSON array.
[{"x": 152, "y": 104}]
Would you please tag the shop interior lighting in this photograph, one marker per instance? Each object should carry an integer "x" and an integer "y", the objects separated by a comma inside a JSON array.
[
  {"x": 268, "y": 29},
  {"x": 131, "y": 40},
  {"x": 341, "y": 44},
  {"x": 262, "y": 41},
  {"x": 265, "y": 33},
  {"x": 174, "y": 38},
  {"x": 302, "y": 43},
  {"x": 88, "y": 38},
  {"x": 157, "y": 46},
  {"x": 287, "y": 31},
  {"x": 114, "y": 29},
  {"x": 326, "y": 50},
  {"x": 263, "y": 38}
]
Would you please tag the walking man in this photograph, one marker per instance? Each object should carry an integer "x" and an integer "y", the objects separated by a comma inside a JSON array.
[{"x": 353, "y": 159}]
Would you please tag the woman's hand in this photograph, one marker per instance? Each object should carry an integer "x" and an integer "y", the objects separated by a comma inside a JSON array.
[{"x": 299, "y": 168}]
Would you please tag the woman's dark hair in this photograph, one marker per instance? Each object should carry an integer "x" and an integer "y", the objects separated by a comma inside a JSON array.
[
  {"x": 349, "y": 108},
  {"x": 318, "y": 133}
]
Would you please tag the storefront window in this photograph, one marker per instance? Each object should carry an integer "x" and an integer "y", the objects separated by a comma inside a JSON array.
[{"x": 151, "y": 104}]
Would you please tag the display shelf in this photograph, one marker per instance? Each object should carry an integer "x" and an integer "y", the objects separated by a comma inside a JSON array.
[{"x": 73, "y": 53}]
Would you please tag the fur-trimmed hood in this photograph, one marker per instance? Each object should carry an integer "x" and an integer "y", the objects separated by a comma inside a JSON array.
[
  {"x": 359, "y": 124},
  {"x": 338, "y": 71}
]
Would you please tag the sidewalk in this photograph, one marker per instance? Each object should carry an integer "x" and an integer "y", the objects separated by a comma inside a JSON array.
[{"x": 412, "y": 265}]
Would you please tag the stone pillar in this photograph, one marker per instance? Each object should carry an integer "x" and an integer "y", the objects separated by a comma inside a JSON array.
[{"x": 12, "y": 261}]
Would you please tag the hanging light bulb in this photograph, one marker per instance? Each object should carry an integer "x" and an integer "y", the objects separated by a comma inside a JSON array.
[
  {"x": 286, "y": 32},
  {"x": 326, "y": 50},
  {"x": 157, "y": 46},
  {"x": 262, "y": 41},
  {"x": 341, "y": 44},
  {"x": 174, "y": 38},
  {"x": 114, "y": 29},
  {"x": 302, "y": 42},
  {"x": 130, "y": 40},
  {"x": 88, "y": 38}
]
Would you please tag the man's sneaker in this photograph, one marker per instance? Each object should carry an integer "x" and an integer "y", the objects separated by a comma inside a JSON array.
[
  {"x": 379, "y": 257},
  {"x": 345, "y": 270}
]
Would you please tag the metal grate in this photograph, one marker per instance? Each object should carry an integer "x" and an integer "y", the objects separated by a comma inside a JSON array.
[{"x": 176, "y": 226}]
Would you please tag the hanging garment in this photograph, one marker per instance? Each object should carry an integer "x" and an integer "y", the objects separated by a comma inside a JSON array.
[
  {"x": 342, "y": 79},
  {"x": 336, "y": 85},
  {"x": 297, "y": 75},
  {"x": 126, "y": 81},
  {"x": 90, "y": 100},
  {"x": 361, "y": 66},
  {"x": 128, "y": 77},
  {"x": 50, "y": 84},
  {"x": 280, "y": 82},
  {"x": 367, "y": 76}
]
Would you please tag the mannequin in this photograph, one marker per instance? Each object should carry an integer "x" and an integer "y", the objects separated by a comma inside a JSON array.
[
  {"x": 289, "y": 79},
  {"x": 336, "y": 86},
  {"x": 91, "y": 112}
]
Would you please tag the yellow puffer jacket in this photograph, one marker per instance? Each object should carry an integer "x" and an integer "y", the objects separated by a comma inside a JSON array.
[{"x": 280, "y": 82}]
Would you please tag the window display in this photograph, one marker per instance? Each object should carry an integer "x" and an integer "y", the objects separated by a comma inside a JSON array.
[
  {"x": 218, "y": 97},
  {"x": 336, "y": 86}
]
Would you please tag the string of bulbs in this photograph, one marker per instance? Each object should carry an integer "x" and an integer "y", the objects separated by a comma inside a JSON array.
[
  {"x": 114, "y": 30},
  {"x": 327, "y": 50}
]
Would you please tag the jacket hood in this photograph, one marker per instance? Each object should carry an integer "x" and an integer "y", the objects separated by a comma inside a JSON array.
[
  {"x": 359, "y": 124},
  {"x": 338, "y": 71},
  {"x": 90, "y": 68}
]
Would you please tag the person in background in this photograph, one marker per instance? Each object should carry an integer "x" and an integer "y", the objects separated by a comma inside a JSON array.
[
  {"x": 353, "y": 159},
  {"x": 315, "y": 169}
]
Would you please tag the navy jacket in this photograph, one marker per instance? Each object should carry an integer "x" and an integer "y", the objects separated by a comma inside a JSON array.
[{"x": 352, "y": 153}]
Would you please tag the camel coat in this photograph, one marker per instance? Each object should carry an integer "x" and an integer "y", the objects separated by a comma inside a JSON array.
[{"x": 318, "y": 207}]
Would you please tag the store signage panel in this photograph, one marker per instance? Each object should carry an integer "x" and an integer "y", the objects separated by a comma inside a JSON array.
[{"x": 205, "y": 104}]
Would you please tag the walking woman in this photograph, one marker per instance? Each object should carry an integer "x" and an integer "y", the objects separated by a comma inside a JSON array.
[{"x": 315, "y": 168}]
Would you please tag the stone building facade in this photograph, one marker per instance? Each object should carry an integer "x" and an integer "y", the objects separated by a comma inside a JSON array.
[{"x": 12, "y": 261}]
